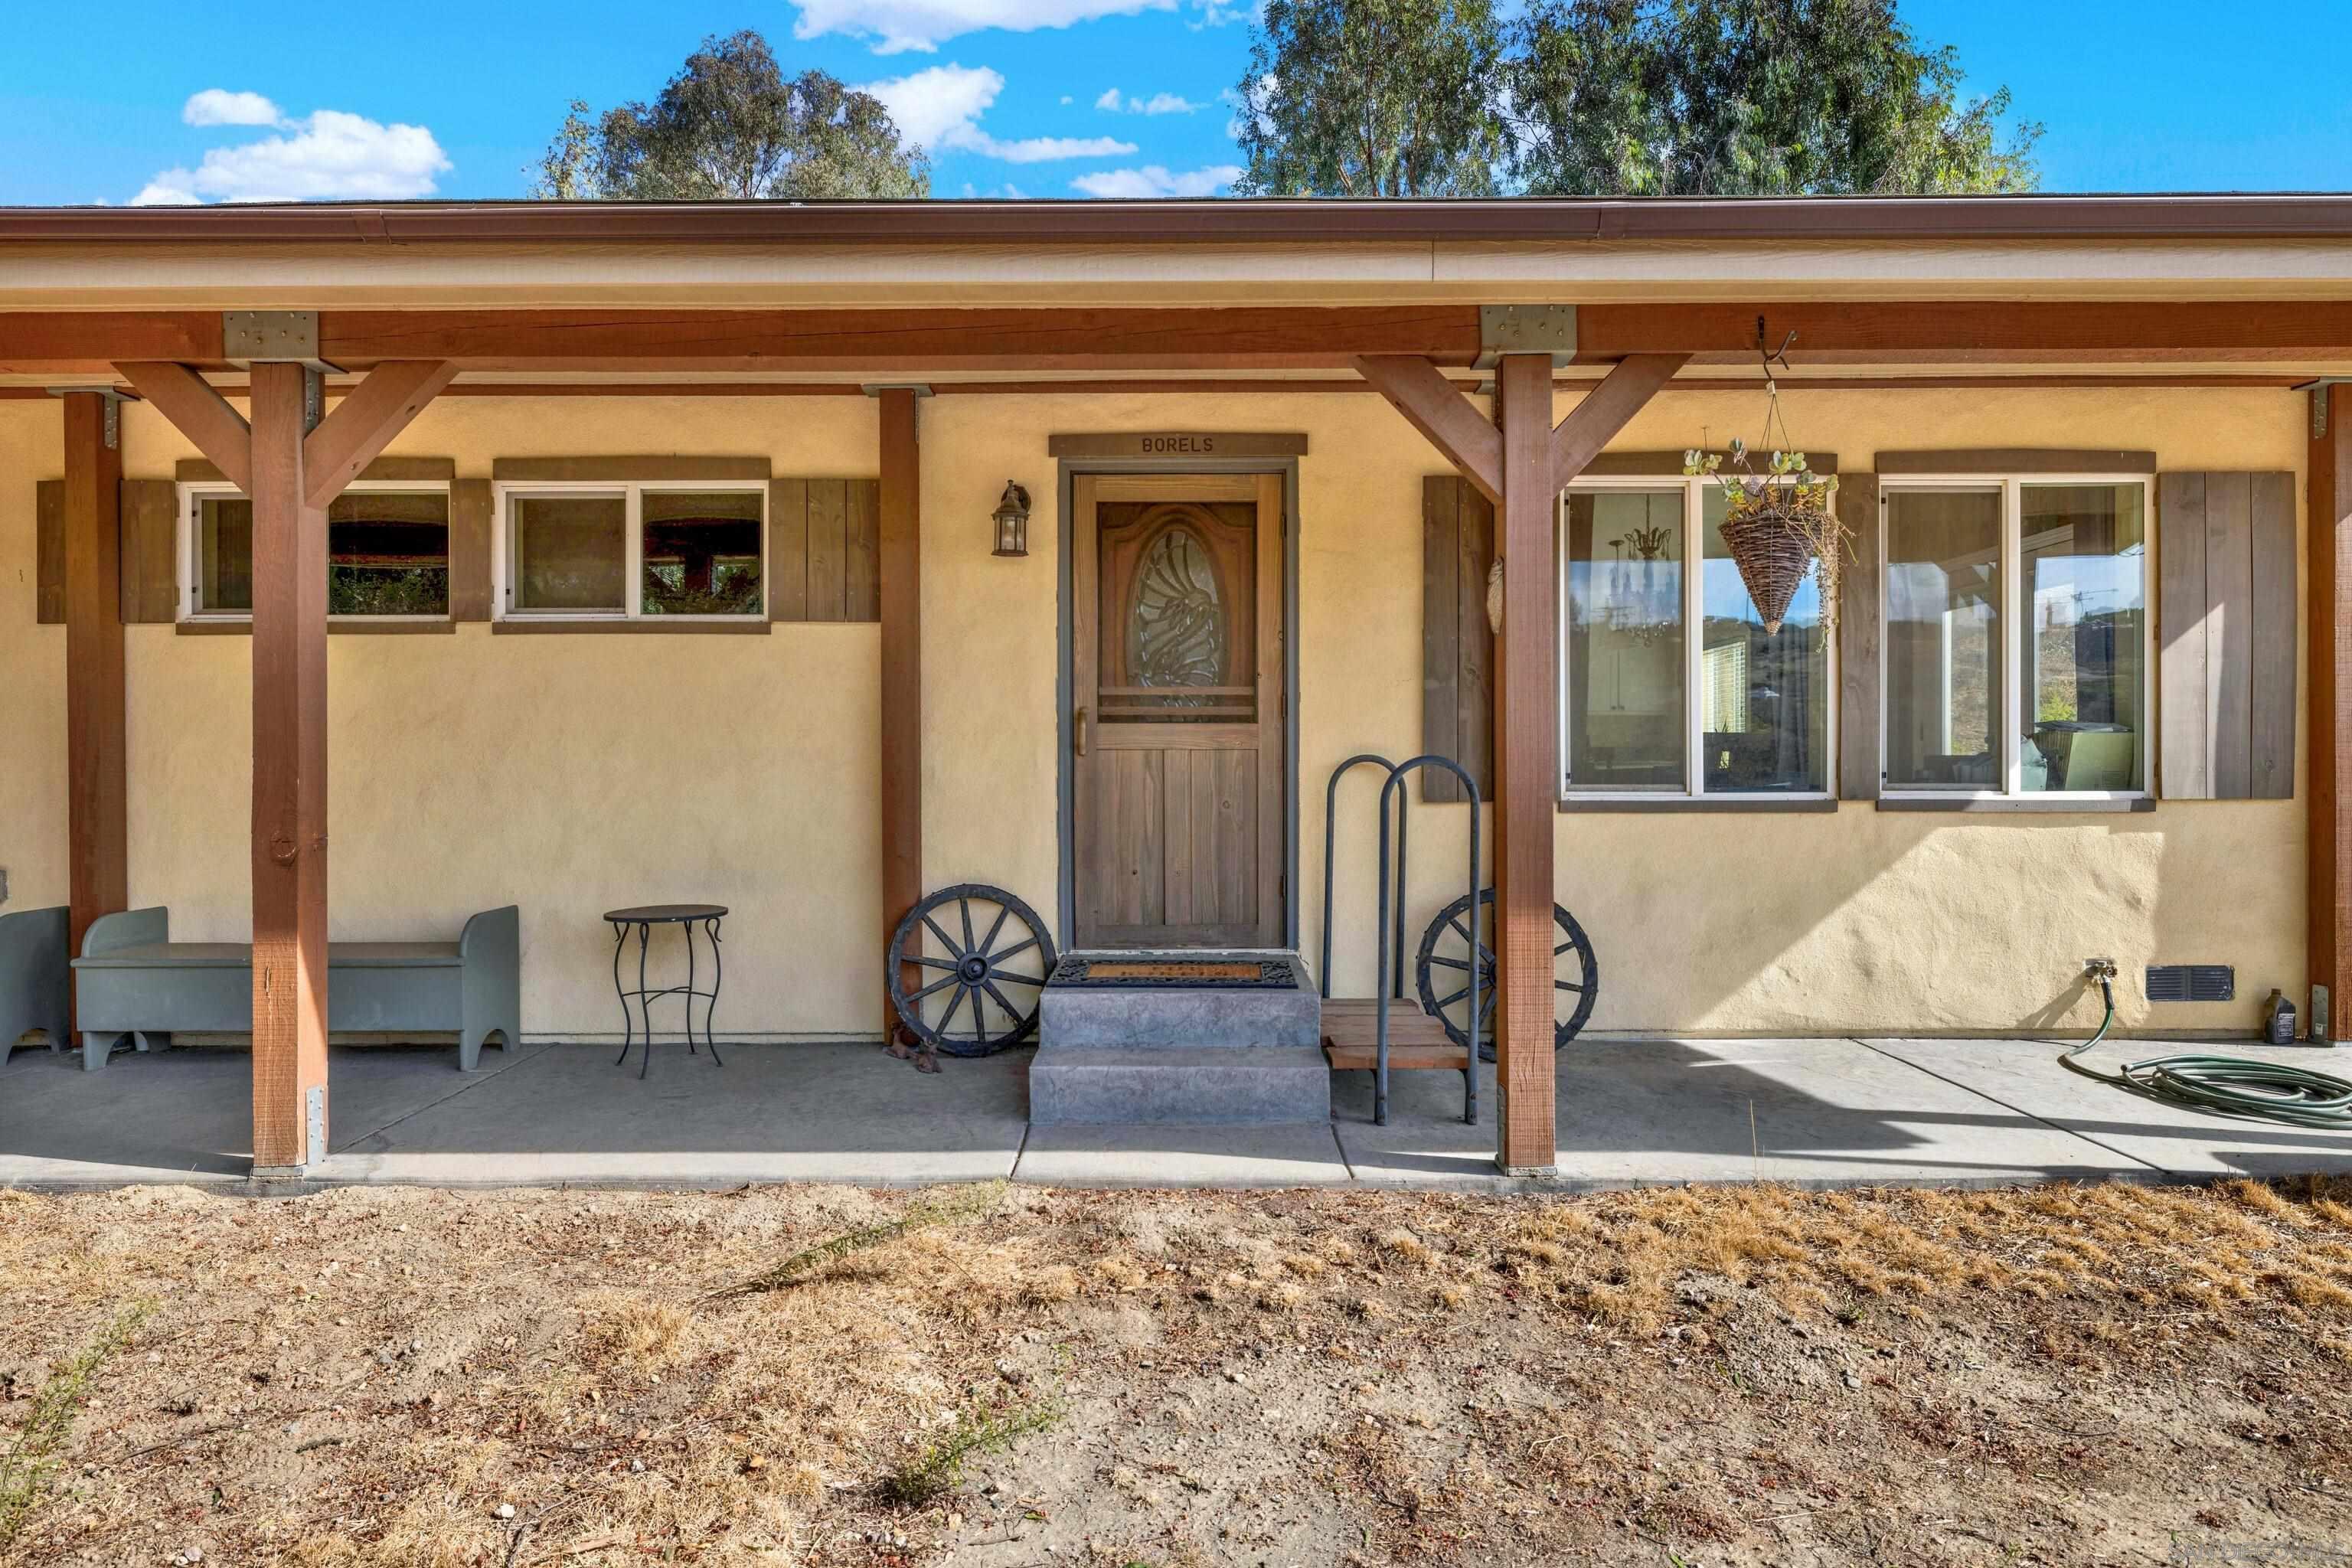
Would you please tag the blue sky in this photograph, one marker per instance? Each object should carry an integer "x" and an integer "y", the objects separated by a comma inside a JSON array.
[{"x": 228, "y": 100}]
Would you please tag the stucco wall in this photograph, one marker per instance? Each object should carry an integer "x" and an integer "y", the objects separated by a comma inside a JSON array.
[{"x": 571, "y": 773}]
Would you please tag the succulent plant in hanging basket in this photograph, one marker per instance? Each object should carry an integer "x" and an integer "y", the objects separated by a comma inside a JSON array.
[{"x": 1778, "y": 525}]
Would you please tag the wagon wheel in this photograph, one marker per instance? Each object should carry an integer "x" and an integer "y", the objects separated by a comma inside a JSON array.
[
  {"x": 1445, "y": 956},
  {"x": 976, "y": 991}
]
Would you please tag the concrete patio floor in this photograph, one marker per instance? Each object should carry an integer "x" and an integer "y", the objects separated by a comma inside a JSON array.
[{"x": 1809, "y": 1112}]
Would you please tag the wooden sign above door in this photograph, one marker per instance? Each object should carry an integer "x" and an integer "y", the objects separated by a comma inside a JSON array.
[{"x": 1177, "y": 444}]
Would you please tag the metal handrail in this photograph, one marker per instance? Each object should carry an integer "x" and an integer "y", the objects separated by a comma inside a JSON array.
[
  {"x": 1380, "y": 1057},
  {"x": 1331, "y": 841}
]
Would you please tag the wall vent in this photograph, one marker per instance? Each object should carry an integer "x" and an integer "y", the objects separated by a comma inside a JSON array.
[{"x": 2193, "y": 982}]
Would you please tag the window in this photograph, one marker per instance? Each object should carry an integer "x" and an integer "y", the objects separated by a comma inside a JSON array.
[
  {"x": 1671, "y": 686},
  {"x": 387, "y": 553},
  {"x": 627, "y": 551},
  {"x": 2017, "y": 637}
]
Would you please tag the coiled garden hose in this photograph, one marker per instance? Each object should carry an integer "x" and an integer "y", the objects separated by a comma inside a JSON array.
[{"x": 2226, "y": 1086}]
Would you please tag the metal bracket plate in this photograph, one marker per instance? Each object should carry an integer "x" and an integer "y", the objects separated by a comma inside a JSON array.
[
  {"x": 2317, "y": 386},
  {"x": 272, "y": 337},
  {"x": 115, "y": 397},
  {"x": 315, "y": 1119},
  {"x": 876, "y": 388},
  {"x": 1526, "y": 330}
]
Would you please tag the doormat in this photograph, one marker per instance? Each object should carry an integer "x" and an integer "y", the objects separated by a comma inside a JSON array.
[{"x": 1245, "y": 974}]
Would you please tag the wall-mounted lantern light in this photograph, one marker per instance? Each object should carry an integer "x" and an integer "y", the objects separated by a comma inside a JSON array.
[{"x": 1012, "y": 520}]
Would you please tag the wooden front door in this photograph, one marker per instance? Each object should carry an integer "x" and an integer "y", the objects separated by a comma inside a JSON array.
[{"x": 1177, "y": 673}]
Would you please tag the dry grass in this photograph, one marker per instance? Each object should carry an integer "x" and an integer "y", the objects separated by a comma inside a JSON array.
[{"x": 366, "y": 1379}]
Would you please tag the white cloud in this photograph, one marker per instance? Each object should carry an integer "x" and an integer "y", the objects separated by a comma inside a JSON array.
[
  {"x": 1157, "y": 103},
  {"x": 939, "y": 108},
  {"x": 1036, "y": 149},
  {"x": 218, "y": 106},
  {"x": 931, "y": 102},
  {"x": 897, "y": 25},
  {"x": 1154, "y": 181},
  {"x": 327, "y": 156}
]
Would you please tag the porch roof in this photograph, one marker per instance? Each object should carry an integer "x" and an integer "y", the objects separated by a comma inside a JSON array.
[
  {"x": 2148, "y": 216},
  {"x": 975, "y": 255}
]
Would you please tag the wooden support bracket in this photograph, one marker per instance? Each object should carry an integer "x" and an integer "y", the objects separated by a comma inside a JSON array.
[
  {"x": 198, "y": 412},
  {"x": 366, "y": 422},
  {"x": 1464, "y": 436}
]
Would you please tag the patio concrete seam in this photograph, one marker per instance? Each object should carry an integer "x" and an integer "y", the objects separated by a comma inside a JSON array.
[
  {"x": 2018, "y": 1109},
  {"x": 1340, "y": 1146},
  {"x": 472, "y": 1081}
]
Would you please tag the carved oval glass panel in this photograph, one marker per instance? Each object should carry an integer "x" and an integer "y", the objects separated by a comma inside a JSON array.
[{"x": 1176, "y": 624}]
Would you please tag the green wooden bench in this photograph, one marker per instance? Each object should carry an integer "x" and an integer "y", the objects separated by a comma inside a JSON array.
[
  {"x": 35, "y": 985},
  {"x": 134, "y": 980}
]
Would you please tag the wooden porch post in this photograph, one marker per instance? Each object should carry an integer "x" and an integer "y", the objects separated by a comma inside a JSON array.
[
  {"x": 289, "y": 777},
  {"x": 898, "y": 546},
  {"x": 2329, "y": 855},
  {"x": 290, "y": 458},
  {"x": 97, "y": 828},
  {"x": 1522, "y": 466},
  {"x": 1526, "y": 775}
]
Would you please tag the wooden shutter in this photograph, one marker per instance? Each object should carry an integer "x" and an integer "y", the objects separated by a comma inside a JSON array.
[
  {"x": 49, "y": 552},
  {"x": 151, "y": 550},
  {"x": 1861, "y": 625},
  {"x": 2226, "y": 608},
  {"x": 150, "y": 547},
  {"x": 823, "y": 552},
  {"x": 470, "y": 530},
  {"x": 1457, "y": 647}
]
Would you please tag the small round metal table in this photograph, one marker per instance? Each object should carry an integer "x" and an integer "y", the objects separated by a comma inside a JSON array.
[{"x": 642, "y": 920}]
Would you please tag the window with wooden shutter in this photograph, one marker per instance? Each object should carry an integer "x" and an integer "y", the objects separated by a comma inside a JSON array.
[
  {"x": 2226, "y": 607},
  {"x": 822, "y": 543},
  {"x": 1457, "y": 647}
]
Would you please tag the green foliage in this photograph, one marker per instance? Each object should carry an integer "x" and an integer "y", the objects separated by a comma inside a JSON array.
[
  {"x": 26, "y": 1468},
  {"x": 1616, "y": 98},
  {"x": 1371, "y": 98},
  {"x": 729, "y": 126},
  {"x": 1750, "y": 98},
  {"x": 373, "y": 591},
  {"x": 935, "y": 1472}
]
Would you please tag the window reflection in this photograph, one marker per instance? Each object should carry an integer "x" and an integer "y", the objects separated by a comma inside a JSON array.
[
  {"x": 1763, "y": 699},
  {"x": 1624, "y": 551},
  {"x": 2083, "y": 558},
  {"x": 1943, "y": 645}
]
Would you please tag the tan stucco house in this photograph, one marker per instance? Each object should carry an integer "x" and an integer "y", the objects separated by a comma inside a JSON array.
[{"x": 667, "y": 538}]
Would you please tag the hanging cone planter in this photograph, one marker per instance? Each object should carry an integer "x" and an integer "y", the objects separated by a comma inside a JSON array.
[
  {"x": 1777, "y": 524},
  {"x": 1774, "y": 541}
]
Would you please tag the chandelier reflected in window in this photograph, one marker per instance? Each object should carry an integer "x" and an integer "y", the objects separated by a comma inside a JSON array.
[{"x": 1644, "y": 586}]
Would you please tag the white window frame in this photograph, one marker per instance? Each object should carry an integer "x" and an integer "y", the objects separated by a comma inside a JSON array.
[
  {"x": 186, "y": 543},
  {"x": 1694, "y": 790},
  {"x": 2011, "y": 488},
  {"x": 633, "y": 493}
]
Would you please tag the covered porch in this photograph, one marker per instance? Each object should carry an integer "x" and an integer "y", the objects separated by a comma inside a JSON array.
[
  {"x": 1812, "y": 1113},
  {"x": 1516, "y": 379}
]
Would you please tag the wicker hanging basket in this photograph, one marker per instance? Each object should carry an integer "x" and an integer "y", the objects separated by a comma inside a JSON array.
[{"x": 1774, "y": 542}]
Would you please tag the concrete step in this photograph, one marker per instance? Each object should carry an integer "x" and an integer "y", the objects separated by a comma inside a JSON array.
[
  {"x": 1179, "y": 1085},
  {"x": 1175, "y": 1016}
]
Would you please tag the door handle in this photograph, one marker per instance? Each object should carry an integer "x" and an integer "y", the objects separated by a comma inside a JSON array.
[{"x": 1079, "y": 731}]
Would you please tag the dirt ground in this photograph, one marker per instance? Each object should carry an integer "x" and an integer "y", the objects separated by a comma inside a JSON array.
[{"x": 995, "y": 1378}]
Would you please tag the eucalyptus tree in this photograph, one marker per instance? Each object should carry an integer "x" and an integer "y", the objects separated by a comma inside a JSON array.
[
  {"x": 1749, "y": 97},
  {"x": 731, "y": 126},
  {"x": 1371, "y": 98}
]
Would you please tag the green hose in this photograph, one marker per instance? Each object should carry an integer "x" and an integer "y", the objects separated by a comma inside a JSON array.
[{"x": 2226, "y": 1086}]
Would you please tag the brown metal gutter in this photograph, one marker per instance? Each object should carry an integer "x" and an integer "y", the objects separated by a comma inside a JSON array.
[{"x": 1792, "y": 219}]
